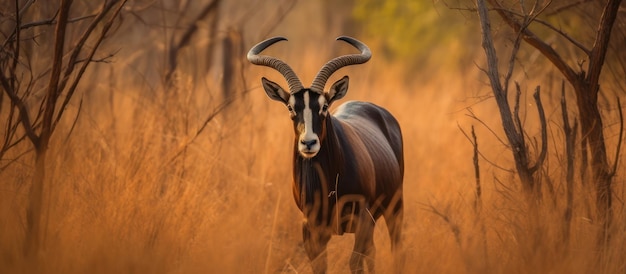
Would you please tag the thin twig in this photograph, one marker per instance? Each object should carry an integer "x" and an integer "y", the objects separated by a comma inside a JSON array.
[
  {"x": 23, "y": 111},
  {"x": 620, "y": 140},
  {"x": 567, "y": 6},
  {"x": 52, "y": 90},
  {"x": 80, "y": 107},
  {"x": 481, "y": 154},
  {"x": 473, "y": 116},
  {"x": 478, "y": 202},
  {"x": 516, "y": 46},
  {"x": 453, "y": 225},
  {"x": 516, "y": 117},
  {"x": 217, "y": 110},
  {"x": 81, "y": 71},
  {"x": 106, "y": 7},
  {"x": 45, "y": 22},
  {"x": 532, "y": 39},
  {"x": 550, "y": 26}
]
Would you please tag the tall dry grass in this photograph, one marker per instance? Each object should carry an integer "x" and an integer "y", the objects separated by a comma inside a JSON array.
[{"x": 130, "y": 190}]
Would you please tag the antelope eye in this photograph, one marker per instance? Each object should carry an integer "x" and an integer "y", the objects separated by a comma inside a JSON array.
[
  {"x": 325, "y": 108},
  {"x": 292, "y": 114}
]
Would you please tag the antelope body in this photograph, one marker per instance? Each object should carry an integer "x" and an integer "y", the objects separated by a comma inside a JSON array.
[{"x": 348, "y": 166}]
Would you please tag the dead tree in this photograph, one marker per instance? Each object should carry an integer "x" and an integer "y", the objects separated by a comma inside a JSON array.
[
  {"x": 570, "y": 153},
  {"x": 585, "y": 81},
  {"x": 177, "y": 43},
  {"x": 511, "y": 122},
  {"x": 62, "y": 75}
]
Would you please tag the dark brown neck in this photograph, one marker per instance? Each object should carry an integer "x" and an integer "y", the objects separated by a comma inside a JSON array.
[{"x": 315, "y": 178}]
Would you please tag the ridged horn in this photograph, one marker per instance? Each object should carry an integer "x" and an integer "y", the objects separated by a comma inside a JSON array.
[
  {"x": 346, "y": 60},
  {"x": 275, "y": 63}
]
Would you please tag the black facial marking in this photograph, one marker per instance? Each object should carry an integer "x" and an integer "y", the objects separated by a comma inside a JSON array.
[{"x": 299, "y": 106}]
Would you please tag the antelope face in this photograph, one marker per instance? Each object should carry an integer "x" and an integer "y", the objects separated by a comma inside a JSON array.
[
  {"x": 308, "y": 110},
  {"x": 308, "y": 107}
]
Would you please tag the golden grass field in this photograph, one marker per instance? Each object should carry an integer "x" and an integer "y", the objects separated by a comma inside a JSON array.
[{"x": 132, "y": 189}]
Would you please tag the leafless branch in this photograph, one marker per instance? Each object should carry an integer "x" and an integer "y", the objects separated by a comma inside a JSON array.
[
  {"x": 473, "y": 116},
  {"x": 184, "y": 40},
  {"x": 564, "y": 35},
  {"x": 620, "y": 140},
  {"x": 570, "y": 142},
  {"x": 106, "y": 7},
  {"x": 490, "y": 51},
  {"x": 534, "y": 18},
  {"x": 509, "y": 73},
  {"x": 216, "y": 111},
  {"x": 480, "y": 153},
  {"x": 23, "y": 111},
  {"x": 53, "y": 91},
  {"x": 601, "y": 42},
  {"x": 504, "y": 190},
  {"x": 516, "y": 117},
  {"x": 478, "y": 202},
  {"x": 511, "y": 123},
  {"x": 81, "y": 71},
  {"x": 567, "y": 6},
  {"x": 17, "y": 47},
  {"x": 45, "y": 22},
  {"x": 453, "y": 225},
  {"x": 78, "y": 111},
  {"x": 534, "y": 41},
  {"x": 17, "y": 157},
  {"x": 544, "y": 132}
]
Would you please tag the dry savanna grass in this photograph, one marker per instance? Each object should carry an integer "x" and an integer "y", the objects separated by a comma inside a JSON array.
[
  {"x": 130, "y": 190},
  {"x": 133, "y": 188}
]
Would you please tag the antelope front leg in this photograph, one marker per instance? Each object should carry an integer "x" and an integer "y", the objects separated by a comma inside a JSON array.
[
  {"x": 364, "y": 249},
  {"x": 315, "y": 241}
]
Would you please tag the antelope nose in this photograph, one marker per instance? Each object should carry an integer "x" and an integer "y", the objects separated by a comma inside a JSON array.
[{"x": 308, "y": 143}]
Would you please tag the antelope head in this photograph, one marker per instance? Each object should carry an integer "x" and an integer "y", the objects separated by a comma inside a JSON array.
[{"x": 308, "y": 107}]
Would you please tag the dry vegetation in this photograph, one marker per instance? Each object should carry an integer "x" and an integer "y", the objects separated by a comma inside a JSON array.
[{"x": 132, "y": 189}]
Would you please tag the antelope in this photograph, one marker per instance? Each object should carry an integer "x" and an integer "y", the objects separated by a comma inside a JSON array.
[{"x": 348, "y": 165}]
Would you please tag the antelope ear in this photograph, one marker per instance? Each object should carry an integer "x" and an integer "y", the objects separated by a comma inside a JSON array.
[
  {"x": 338, "y": 90},
  {"x": 274, "y": 91}
]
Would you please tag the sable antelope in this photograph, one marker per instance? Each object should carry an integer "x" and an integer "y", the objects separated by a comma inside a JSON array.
[{"x": 348, "y": 166}]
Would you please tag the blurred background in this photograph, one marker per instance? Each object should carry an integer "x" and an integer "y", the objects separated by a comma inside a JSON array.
[{"x": 169, "y": 157}]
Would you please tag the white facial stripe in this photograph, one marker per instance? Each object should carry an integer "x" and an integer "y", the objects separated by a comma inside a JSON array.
[{"x": 308, "y": 119}]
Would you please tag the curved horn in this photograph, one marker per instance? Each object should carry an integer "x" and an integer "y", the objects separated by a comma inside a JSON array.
[
  {"x": 275, "y": 63},
  {"x": 333, "y": 65}
]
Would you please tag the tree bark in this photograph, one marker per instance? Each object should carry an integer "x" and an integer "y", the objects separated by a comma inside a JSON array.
[
  {"x": 586, "y": 88},
  {"x": 570, "y": 154},
  {"x": 591, "y": 119},
  {"x": 34, "y": 214}
]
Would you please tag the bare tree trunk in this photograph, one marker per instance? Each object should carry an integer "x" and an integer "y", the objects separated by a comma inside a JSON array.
[
  {"x": 35, "y": 218},
  {"x": 511, "y": 122},
  {"x": 591, "y": 119},
  {"x": 586, "y": 87},
  {"x": 591, "y": 129},
  {"x": 65, "y": 71},
  {"x": 570, "y": 153}
]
